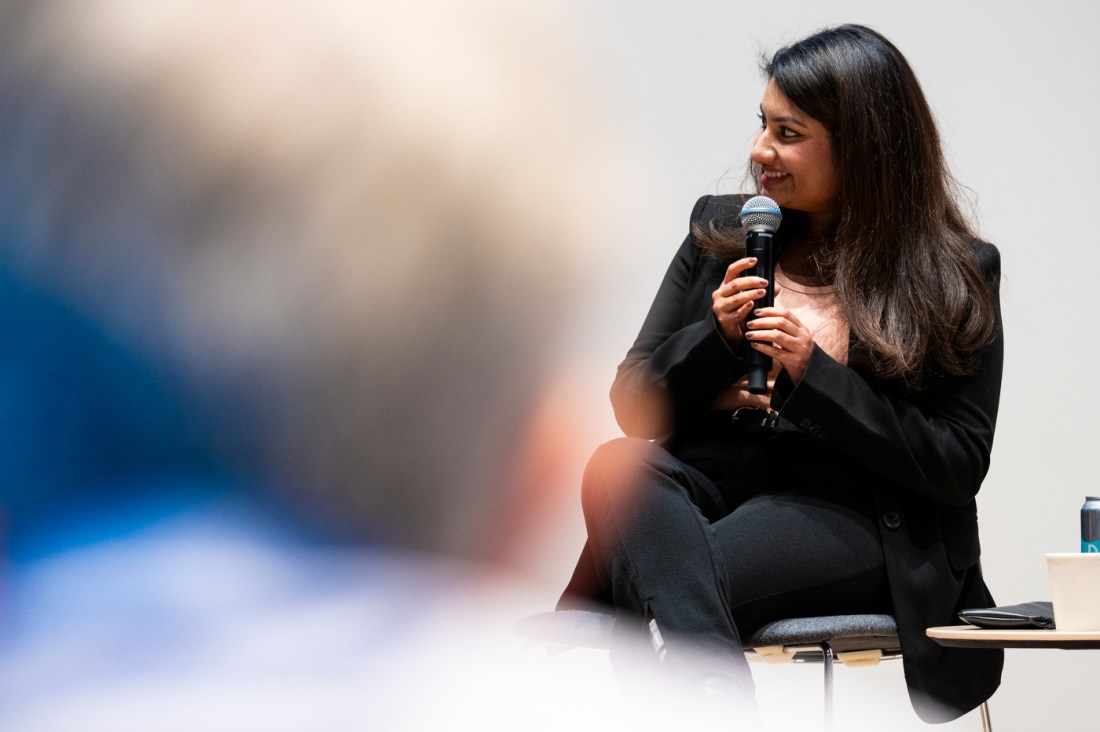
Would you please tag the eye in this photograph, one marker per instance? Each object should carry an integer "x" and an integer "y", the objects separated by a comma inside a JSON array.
[
  {"x": 787, "y": 132},
  {"x": 763, "y": 120}
]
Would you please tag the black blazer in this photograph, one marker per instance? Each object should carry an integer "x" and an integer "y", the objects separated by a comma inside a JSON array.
[{"x": 922, "y": 455}]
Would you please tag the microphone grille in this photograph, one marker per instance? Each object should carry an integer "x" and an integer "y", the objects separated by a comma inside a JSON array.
[{"x": 760, "y": 211}]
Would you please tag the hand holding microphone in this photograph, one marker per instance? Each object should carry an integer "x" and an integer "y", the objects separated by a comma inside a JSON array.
[
  {"x": 749, "y": 288},
  {"x": 735, "y": 299},
  {"x": 773, "y": 332},
  {"x": 749, "y": 284},
  {"x": 760, "y": 217}
]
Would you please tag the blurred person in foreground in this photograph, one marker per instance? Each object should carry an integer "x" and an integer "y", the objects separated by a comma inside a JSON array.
[{"x": 282, "y": 286}]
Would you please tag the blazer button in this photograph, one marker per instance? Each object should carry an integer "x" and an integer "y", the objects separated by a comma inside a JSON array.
[
  {"x": 806, "y": 423},
  {"x": 814, "y": 429},
  {"x": 892, "y": 519}
]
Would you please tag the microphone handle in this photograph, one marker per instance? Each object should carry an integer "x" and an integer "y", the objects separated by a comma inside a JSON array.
[{"x": 761, "y": 244}]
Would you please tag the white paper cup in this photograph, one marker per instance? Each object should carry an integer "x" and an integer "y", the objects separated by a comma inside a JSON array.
[{"x": 1075, "y": 590}]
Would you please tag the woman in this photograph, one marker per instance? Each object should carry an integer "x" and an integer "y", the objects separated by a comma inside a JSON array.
[{"x": 849, "y": 487}]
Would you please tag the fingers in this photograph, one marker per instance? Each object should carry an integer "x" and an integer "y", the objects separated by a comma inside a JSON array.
[
  {"x": 738, "y": 293},
  {"x": 773, "y": 338},
  {"x": 735, "y": 298},
  {"x": 759, "y": 334},
  {"x": 782, "y": 321},
  {"x": 777, "y": 313},
  {"x": 736, "y": 268},
  {"x": 779, "y": 333},
  {"x": 733, "y": 282},
  {"x": 731, "y": 316},
  {"x": 732, "y": 298}
]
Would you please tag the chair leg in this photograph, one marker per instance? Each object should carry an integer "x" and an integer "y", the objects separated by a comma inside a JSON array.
[
  {"x": 987, "y": 725},
  {"x": 827, "y": 656}
]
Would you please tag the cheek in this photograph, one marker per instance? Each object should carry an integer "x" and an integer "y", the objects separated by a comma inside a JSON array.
[
  {"x": 824, "y": 171},
  {"x": 830, "y": 183},
  {"x": 827, "y": 166}
]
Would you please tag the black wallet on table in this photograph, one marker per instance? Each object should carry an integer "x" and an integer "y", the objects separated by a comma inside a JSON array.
[{"x": 1025, "y": 615}]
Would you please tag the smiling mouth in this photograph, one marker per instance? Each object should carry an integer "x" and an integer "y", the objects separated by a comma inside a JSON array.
[{"x": 773, "y": 175}]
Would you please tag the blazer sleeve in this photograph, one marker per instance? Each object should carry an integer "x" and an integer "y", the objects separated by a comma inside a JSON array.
[
  {"x": 935, "y": 442},
  {"x": 678, "y": 362}
]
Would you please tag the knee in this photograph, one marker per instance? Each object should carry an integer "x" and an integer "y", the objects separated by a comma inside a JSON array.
[{"x": 615, "y": 470}]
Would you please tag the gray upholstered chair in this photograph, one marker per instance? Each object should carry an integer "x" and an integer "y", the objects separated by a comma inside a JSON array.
[{"x": 854, "y": 640}]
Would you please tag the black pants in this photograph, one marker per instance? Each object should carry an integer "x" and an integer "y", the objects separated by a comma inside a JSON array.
[{"x": 732, "y": 531}]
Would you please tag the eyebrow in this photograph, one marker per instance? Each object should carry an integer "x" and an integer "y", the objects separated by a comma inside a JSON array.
[{"x": 796, "y": 120}]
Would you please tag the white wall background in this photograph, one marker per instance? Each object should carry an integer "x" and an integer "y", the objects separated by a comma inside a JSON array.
[{"x": 1014, "y": 89}]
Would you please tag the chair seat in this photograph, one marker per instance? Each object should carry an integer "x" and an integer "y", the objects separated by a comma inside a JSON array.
[{"x": 844, "y": 633}]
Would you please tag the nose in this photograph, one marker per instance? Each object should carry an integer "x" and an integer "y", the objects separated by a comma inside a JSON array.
[{"x": 763, "y": 152}]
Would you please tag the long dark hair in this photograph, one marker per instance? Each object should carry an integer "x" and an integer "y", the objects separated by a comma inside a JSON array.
[{"x": 900, "y": 252}]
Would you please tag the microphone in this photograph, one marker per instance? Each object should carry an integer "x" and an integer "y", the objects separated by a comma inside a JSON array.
[{"x": 760, "y": 216}]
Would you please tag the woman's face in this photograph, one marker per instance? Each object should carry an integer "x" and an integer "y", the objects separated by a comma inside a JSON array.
[{"x": 796, "y": 154}]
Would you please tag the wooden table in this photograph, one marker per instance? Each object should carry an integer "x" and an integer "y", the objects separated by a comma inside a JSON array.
[{"x": 968, "y": 636}]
